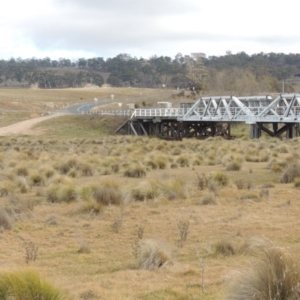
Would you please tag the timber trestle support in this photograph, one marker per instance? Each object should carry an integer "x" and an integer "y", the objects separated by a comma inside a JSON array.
[{"x": 173, "y": 129}]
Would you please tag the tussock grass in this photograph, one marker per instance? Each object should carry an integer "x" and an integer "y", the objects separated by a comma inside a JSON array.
[
  {"x": 56, "y": 193},
  {"x": 6, "y": 188},
  {"x": 153, "y": 254},
  {"x": 290, "y": 173},
  {"x": 148, "y": 190},
  {"x": 86, "y": 169},
  {"x": 22, "y": 185},
  {"x": 273, "y": 275},
  {"x": 135, "y": 171},
  {"x": 208, "y": 199},
  {"x": 233, "y": 166},
  {"x": 225, "y": 247},
  {"x": 36, "y": 178},
  {"x": 27, "y": 285},
  {"x": 175, "y": 188},
  {"x": 22, "y": 170},
  {"x": 220, "y": 178},
  {"x": 108, "y": 193},
  {"x": 5, "y": 220},
  {"x": 91, "y": 207}
]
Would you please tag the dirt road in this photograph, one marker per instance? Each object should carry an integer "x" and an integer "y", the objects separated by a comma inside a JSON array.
[{"x": 25, "y": 127}]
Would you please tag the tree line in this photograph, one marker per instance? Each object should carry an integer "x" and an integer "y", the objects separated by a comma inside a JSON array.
[{"x": 231, "y": 72}]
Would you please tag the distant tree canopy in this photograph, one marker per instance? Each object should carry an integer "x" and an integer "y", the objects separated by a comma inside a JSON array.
[{"x": 232, "y": 72}]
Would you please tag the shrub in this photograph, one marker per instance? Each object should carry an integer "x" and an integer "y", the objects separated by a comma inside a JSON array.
[
  {"x": 135, "y": 171},
  {"x": 273, "y": 275},
  {"x": 27, "y": 285},
  {"x": 220, "y": 178},
  {"x": 152, "y": 254},
  {"x": 5, "y": 219},
  {"x": 290, "y": 173}
]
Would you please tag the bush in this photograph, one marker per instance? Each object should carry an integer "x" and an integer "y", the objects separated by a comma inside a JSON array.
[
  {"x": 290, "y": 173},
  {"x": 27, "y": 285},
  {"x": 274, "y": 275},
  {"x": 152, "y": 254}
]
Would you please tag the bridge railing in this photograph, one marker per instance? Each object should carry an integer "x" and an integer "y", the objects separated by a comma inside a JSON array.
[
  {"x": 159, "y": 112},
  {"x": 109, "y": 112}
]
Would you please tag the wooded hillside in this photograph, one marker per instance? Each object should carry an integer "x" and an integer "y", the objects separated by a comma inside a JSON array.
[{"x": 239, "y": 73}]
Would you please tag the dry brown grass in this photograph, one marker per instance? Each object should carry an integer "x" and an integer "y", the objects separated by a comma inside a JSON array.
[{"x": 110, "y": 271}]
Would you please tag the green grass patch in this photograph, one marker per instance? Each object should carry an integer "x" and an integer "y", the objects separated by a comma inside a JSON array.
[{"x": 81, "y": 125}]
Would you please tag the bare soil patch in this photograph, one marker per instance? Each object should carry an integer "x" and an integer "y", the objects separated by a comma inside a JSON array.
[{"x": 25, "y": 127}]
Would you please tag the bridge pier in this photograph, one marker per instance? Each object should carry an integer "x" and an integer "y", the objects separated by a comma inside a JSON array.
[
  {"x": 255, "y": 131},
  {"x": 291, "y": 130}
]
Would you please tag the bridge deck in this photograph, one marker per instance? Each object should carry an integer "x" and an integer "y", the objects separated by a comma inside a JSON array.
[{"x": 255, "y": 109}]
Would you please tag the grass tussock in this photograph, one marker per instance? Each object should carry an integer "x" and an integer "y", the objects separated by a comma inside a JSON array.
[
  {"x": 5, "y": 220},
  {"x": 135, "y": 171},
  {"x": 108, "y": 193},
  {"x": 208, "y": 199},
  {"x": 27, "y": 285},
  {"x": 153, "y": 254},
  {"x": 56, "y": 193},
  {"x": 220, "y": 178},
  {"x": 234, "y": 166},
  {"x": 7, "y": 187},
  {"x": 148, "y": 190},
  {"x": 273, "y": 275},
  {"x": 290, "y": 173}
]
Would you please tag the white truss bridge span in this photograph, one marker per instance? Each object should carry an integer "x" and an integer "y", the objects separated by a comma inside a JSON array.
[{"x": 251, "y": 110}]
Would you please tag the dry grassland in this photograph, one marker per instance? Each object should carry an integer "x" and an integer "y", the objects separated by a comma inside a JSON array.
[
  {"x": 21, "y": 104},
  {"x": 119, "y": 217}
]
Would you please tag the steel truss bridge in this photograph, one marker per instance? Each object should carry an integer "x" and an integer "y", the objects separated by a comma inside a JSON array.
[{"x": 212, "y": 116}]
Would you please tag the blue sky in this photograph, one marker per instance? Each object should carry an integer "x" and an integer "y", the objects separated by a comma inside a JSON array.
[{"x": 89, "y": 28}]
